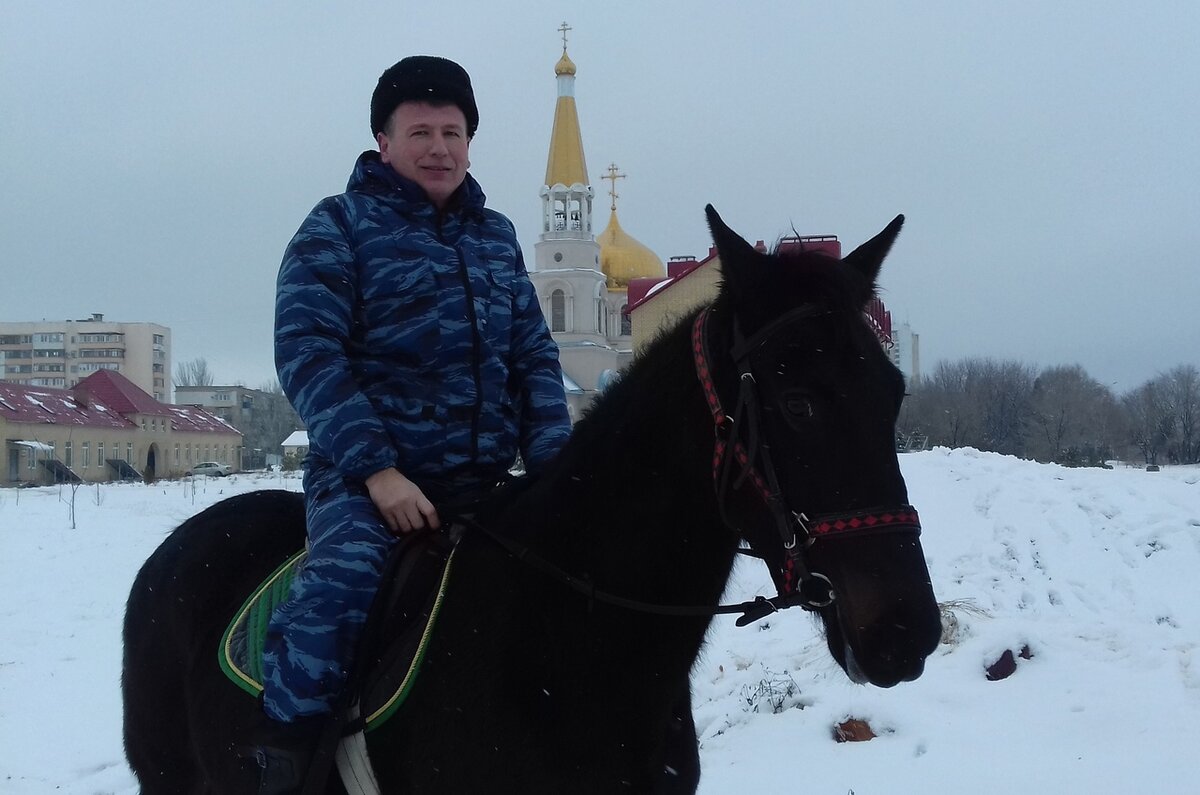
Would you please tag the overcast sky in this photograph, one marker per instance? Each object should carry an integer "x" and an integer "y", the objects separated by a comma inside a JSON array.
[{"x": 156, "y": 157}]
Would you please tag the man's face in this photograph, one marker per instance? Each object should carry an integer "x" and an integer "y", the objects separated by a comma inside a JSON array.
[{"x": 427, "y": 144}]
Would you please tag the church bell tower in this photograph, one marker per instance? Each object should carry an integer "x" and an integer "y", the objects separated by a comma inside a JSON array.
[{"x": 567, "y": 271}]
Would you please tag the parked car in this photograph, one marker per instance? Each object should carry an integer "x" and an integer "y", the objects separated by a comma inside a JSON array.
[{"x": 210, "y": 468}]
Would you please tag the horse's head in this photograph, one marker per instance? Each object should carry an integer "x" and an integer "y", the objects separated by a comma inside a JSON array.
[{"x": 810, "y": 475}]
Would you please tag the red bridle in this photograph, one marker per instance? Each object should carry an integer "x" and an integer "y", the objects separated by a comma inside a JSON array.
[{"x": 796, "y": 582}]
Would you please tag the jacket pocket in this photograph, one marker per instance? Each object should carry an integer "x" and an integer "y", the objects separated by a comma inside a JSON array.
[{"x": 498, "y": 307}]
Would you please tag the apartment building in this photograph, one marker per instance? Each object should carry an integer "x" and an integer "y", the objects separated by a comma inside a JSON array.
[
  {"x": 60, "y": 354},
  {"x": 264, "y": 418}
]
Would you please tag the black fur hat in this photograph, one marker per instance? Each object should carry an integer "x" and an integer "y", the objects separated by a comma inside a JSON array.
[{"x": 427, "y": 78}]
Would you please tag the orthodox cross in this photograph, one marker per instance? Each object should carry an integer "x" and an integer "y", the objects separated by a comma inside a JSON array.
[
  {"x": 612, "y": 177},
  {"x": 564, "y": 28}
]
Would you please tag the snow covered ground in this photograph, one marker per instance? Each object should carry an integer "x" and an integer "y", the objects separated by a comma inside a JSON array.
[{"x": 1094, "y": 571}]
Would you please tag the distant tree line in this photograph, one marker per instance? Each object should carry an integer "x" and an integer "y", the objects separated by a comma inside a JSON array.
[{"x": 1058, "y": 414}]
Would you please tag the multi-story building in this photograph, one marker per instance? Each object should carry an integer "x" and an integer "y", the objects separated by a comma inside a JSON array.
[
  {"x": 60, "y": 354},
  {"x": 234, "y": 404},
  {"x": 264, "y": 418},
  {"x": 105, "y": 428},
  {"x": 906, "y": 353}
]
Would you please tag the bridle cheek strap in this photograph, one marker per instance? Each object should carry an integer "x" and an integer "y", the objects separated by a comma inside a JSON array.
[{"x": 797, "y": 584}]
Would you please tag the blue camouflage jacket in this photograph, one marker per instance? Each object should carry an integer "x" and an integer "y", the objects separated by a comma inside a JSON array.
[{"x": 409, "y": 338}]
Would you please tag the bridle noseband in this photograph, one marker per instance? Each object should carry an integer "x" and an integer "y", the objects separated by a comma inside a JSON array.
[{"x": 739, "y": 442}]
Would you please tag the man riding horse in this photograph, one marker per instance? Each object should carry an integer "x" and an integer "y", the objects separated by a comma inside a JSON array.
[{"x": 409, "y": 339}]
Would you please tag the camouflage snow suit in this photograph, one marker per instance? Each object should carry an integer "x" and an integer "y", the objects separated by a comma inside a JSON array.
[{"x": 404, "y": 337}]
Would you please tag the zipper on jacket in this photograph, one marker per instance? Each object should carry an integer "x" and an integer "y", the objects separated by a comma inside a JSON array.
[{"x": 476, "y": 344}]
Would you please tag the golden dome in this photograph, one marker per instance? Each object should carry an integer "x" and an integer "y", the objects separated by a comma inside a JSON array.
[
  {"x": 622, "y": 258},
  {"x": 565, "y": 65},
  {"x": 566, "y": 165}
]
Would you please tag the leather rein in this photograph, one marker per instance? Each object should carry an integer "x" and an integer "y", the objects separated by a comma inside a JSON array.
[{"x": 797, "y": 584}]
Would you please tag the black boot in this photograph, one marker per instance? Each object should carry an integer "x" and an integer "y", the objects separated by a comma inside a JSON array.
[{"x": 284, "y": 752}]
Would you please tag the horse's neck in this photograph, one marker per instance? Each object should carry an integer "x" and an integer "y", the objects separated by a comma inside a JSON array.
[{"x": 631, "y": 502}]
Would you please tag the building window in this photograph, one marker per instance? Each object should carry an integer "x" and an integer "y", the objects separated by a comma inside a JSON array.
[
  {"x": 129, "y": 452},
  {"x": 558, "y": 311},
  {"x": 87, "y": 455},
  {"x": 68, "y": 454},
  {"x": 100, "y": 454},
  {"x": 177, "y": 454},
  {"x": 626, "y": 322}
]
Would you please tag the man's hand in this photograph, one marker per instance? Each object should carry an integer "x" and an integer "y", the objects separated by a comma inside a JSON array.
[{"x": 401, "y": 502}]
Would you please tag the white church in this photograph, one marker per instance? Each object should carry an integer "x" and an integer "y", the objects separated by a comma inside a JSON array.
[{"x": 582, "y": 279}]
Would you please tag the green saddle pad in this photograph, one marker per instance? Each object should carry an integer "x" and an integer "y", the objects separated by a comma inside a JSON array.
[{"x": 240, "y": 654}]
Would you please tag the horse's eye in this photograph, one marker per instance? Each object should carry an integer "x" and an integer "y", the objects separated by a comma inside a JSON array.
[{"x": 799, "y": 406}]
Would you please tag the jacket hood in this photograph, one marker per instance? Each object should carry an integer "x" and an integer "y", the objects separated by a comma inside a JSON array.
[{"x": 372, "y": 176}]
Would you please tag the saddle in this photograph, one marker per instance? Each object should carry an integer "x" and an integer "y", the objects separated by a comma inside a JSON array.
[{"x": 397, "y": 632}]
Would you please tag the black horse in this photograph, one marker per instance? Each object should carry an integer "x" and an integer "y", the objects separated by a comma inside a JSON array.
[{"x": 765, "y": 421}]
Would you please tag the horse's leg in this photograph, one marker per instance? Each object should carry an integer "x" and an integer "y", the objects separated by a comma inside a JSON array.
[
  {"x": 157, "y": 738},
  {"x": 681, "y": 768}
]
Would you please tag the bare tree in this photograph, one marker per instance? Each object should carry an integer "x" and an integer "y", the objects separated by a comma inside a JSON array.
[
  {"x": 1071, "y": 418},
  {"x": 940, "y": 409},
  {"x": 193, "y": 373},
  {"x": 1183, "y": 390},
  {"x": 1005, "y": 388},
  {"x": 1151, "y": 418},
  {"x": 978, "y": 402}
]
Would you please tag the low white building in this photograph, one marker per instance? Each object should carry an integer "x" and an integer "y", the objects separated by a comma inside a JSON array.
[{"x": 296, "y": 444}]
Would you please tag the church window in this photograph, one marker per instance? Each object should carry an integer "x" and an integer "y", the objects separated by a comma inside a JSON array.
[
  {"x": 558, "y": 311},
  {"x": 626, "y": 322}
]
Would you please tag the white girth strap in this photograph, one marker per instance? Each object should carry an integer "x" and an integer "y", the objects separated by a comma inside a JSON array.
[{"x": 353, "y": 765}]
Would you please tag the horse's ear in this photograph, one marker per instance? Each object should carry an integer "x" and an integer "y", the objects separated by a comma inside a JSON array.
[
  {"x": 730, "y": 245},
  {"x": 868, "y": 258}
]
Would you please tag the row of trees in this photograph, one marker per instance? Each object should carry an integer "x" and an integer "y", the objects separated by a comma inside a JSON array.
[{"x": 1058, "y": 414}]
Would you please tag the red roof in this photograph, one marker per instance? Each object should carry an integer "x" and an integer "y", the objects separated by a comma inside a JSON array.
[
  {"x": 30, "y": 405},
  {"x": 194, "y": 418},
  {"x": 685, "y": 268},
  {"x": 121, "y": 394},
  {"x": 105, "y": 399}
]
